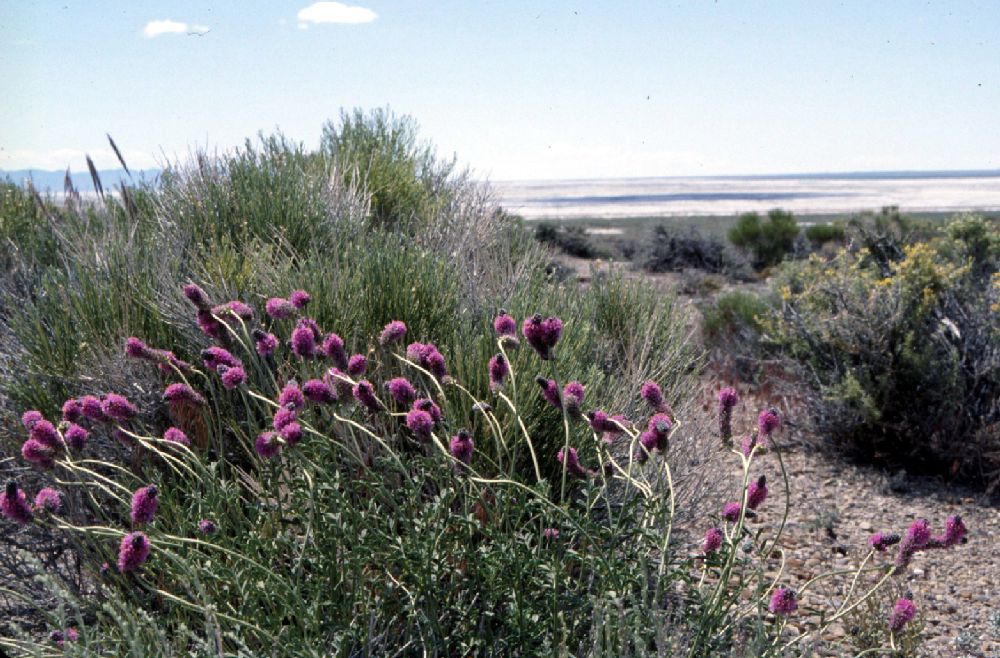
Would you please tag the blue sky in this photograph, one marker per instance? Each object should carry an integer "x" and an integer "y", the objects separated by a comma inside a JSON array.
[{"x": 515, "y": 90}]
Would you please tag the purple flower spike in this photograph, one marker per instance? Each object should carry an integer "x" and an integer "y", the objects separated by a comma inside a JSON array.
[
  {"x": 653, "y": 395},
  {"x": 902, "y": 613},
  {"x": 498, "y": 370},
  {"x": 600, "y": 422},
  {"x": 955, "y": 530},
  {"x": 232, "y": 377},
  {"x": 267, "y": 445},
  {"x": 420, "y": 423},
  {"x": 319, "y": 392},
  {"x": 573, "y": 466},
  {"x": 881, "y": 541},
  {"x": 713, "y": 541},
  {"x": 291, "y": 433},
  {"x": 401, "y": 390},
  {"x": 72, "y": 410},
  {"x": 647, "y": 442},
  {"x": 197, "y": 296},
  {"x": 180, "y": 392},
  {"x": 426, "y": 404},
  {"x": 45, "y": 433},
  {"x": 505, "y": 326},
  {"x": 919, "y": 533},
  {"x": 364, "y": 393},
  {"x": 29, "y": 418},
  {"x": 299, "y": 299},
  {"x": 731, "y": 511},
  {"x": 144, "y": 503},
  {"x": 137, "y": 349},
  {"x": 392, "y": 333},
  {"x": 339, "y": 382},
  {"x": 48, "y": 500},
  {"x": 303, "y": 341},
  {"x": 357, "y": 365},
  {"x": 264, "y": 342},
  {"x": 215, "y": 356},
  {"x": 279, "y": 308},
  {"x": 117, "y": 407},
  {"x": 333, "y": 347},
  {"x": 542, "y": 334},
  {"x": 210, "y": 326},
  {"x": 38, "y": 453},
  {"x": 91, "y": 407},
  {"x": 783, "y": 602},
  {"x": 747, "y": 445},
  {"x": 757, "y": 493},
  {"x": 728, "y": 397},
  {"x": 14, "y": 505},
  {"x": 767, "y": 423},
  {"x": 207, "y": 527},
  {"x": 291, "y": 397},
  {"x": 660, "y": 425},
  {"x": 461, "y": 447},
  {"x": 174, "y": 435},
  {"x": 573, "y": 395},
  {"x": 76, "y": 436},
  {"x": 283, "y": 417},
  {"x": 133, "y": 552},
  {"x": 550, "y": 391},
  {"x": 550, "y": 534},
  {"x": 230, "y": 311}
]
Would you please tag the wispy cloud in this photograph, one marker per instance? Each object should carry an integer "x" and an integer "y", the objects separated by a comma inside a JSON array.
[
  {"x": 333, "y": 12},
  {"x": 159, "y": 28}
]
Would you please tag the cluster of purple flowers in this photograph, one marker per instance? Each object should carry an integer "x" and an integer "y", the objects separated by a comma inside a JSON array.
[
  {"x": 428, "y": 357},
  {"x": 542, "y": 334},
  {"x": 918, "y": 538}
]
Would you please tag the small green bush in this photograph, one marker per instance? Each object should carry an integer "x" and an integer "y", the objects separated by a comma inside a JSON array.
[
  {"x": 571, "y": 240},
  {"x": 769, "y": 242},
  {"x": 732, "y": 313},
  {"x": 670, "y": 249},
  {"x": 820, "y": 234}
]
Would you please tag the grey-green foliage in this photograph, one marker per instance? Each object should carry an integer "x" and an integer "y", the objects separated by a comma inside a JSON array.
[{"x": 768, "y": 241}]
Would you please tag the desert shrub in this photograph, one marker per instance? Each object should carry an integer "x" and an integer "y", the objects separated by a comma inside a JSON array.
[
  {"x": 271, "y": 500},
  {"x": 768, "y": 242},
  {"x": 674, "y": 250},
  {"x": 732, "y": 313},
  {"x": 821, "y": 234},
  {"x": 901, "y": 339},
  {"x": 571, "y": 240}
]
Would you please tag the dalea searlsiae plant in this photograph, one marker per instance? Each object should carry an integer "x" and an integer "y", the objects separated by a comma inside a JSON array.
[{"x": 284, "y": 493}]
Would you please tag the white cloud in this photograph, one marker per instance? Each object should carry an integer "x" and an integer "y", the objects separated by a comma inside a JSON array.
[
  {"x": 333, "y": 12},
  {"x": 157, "y": 28}
]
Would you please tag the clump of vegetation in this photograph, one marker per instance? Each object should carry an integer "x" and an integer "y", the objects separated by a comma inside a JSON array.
[
  {"x": 732, "y": 313},
  {"x": 674, "y": 250},
  {"x": 768, "y": 242},
  {"x": 822, "y": 234},
  {"x": 571, "y": 240},
  {"x": 903, "y": 340}
]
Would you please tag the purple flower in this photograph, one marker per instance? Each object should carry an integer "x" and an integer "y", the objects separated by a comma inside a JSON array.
[
  {"x": 197, "y": 296},
  {"x": 426, "y": 404},
  {"x": 291, "y": 433},
  {"x": 651, "y": 393},
  {"x": 137, "y": 349},
  {"x": 357, "y": 365},
  {"x": 291, "y": 397},
  {"x": 461, "y": 447},
  {"x": 783, "y": 602},
  {"x": 767, "y": 423},
  {"x": 731, "y": 511},
  {"x": 283, "y": 417},
  {"x": 757, "y": 493},
  {"x": 232, "y": 377},
  {"x": 420, "y": 423},
  {"x": 573, "y": 397},
  {"x": 401, "y": 390},
  {"x": 72, "y": 410},
  {"x": 303, "y": 341},
  {"x": 230, "y": 311},
  {"x": 550, "y": 391},
  {"x": 550, "y": 534},
  {"x": 433, "y": 361},
  {"x": 60, "y": 638},
  {"x": 364, "y": 393},
  {"x": 748, "y": 444},
  {"x": 505, "y": 326},
  {"x": 37, "y": 453},
  {"x": 318, "y": 392},
  {"x": 14, "y": 505},
  {"x": 919, "y": 533},
  {"x": 279, "y": 308},
  {"x": 955, "y": 531},
  {"x": 29, "y": 418},
  {"x": 881, "y": 541},
  {"x": 498, "y": 369},
  {"x": 299, "y": 299},
  {"x": 91, "y": 407},
  {"x": 171, "y": 362},
  {"x": 180, "y": 392},
  {"x": 209, "y": 325},
  {"x": 264, "y": 342},
  {"x": 174, "y": 435},
  {"x": 602, "y": 422},
  {"x": 144, "y": 503},
  {"x": 267, "y": 445},
  {"x": 648, "y": 442},
  {"x": 207, "y": 527},
  {"x": 392, "y": 333},
  {"x": 133, "y": 552},
  {"x": 713, "y": 541},
  {"x": 573, "y": 466},
  {"x": 728, "y": 397},
  {"x": 76, "y": 436},
  {"x": 902, "y": 613},
  {"x": 45, "y": 433},
  {"x": 48, "y": 500},
  {"x": 339, "y": 381},
  {"x": 660, "y": 425},
  {"x": 216, "y": 356},
  {"x": 117, "y": 407},
  {"x": 333, "y": 347},
  {"x": 541, "y": 334}
]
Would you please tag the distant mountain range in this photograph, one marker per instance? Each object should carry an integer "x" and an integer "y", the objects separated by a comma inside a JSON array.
[{"x": 53, "y": 181}]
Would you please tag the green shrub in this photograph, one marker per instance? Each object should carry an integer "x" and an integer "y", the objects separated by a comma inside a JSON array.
[
  {"x": 769, "y": 242},
  {"x": 820, "y": 234},
  {"x": 732, "y": 313},
  {"x": 902, "y": 339},
  {"x": 670, "y": 249},
  {"x": 571, "y": 240}
]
